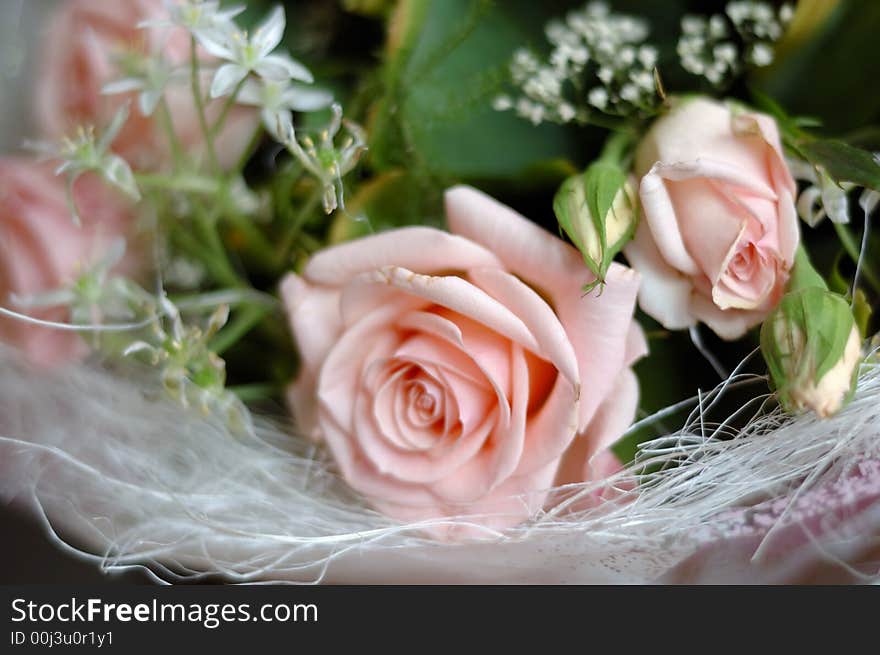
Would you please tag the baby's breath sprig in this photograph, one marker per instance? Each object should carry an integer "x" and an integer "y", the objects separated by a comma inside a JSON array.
[
  {"x": 599, "y": 65},
  {"x": 722, "y": 46}
]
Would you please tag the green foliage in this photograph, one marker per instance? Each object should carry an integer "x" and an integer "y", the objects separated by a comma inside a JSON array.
[
  {"x": 805, "y": 337},
  {"x": 832, "y": 73},
  {"x": 843, "y": 162},
  {"x": 446, "y": 62}
]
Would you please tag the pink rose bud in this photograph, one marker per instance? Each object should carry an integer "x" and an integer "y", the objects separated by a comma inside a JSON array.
[
  {"x": 720, "y": 227},
  {"x": 41, "y": 249},
  {"x": 463, "y": 373},
  {"x": 811, "y": 344},
  {"x": 82, "y": 48},
  {"x": 598, "y": 210}
]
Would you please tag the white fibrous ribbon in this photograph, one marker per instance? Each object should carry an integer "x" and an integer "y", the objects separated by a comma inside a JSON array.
[{"x": 135, "y": 480}]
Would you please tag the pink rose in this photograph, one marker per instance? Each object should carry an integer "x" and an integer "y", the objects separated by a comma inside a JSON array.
[
  {"x": 83, "y": 39},
  {"x": 450, "y": 373},
  {"x": 720, "y": 226},
  {"x": 41, "y": 249}
]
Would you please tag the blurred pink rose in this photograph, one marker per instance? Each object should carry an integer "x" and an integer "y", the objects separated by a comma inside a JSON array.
[
  {"x": 450, "y": 373},
  {"x": 720, "y": 227},
  {"x": 82, "y": 42},
  {"x": 41, "y": 249}
]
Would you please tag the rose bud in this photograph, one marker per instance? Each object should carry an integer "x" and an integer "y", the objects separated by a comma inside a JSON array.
[
  {"x": 598, "y": 212},
  {"x": 812, "y": 345}
]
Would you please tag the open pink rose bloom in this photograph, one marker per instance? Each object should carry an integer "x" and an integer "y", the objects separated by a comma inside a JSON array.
[
  {"x": 463, "y": 373},
  {"x": 236, "y": 342},
  {"x": 720, "y": 228}
]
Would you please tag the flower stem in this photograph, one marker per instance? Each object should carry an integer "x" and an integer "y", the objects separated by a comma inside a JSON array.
[
  {"x": 221, "y": 119},
  {"x": 617, "y": 146},
  {"x": 168, "y": 126},
  {"x": 200, "y": 104},
  {"x": 293, "y": 231},
  {"x": 243, "y": 323},
  {"x": 190, "y": 183},
  {"x": 848, "y": 240},
  {"x": 251, "y": 392},
  {"x": 219, "y": 268},
  {"x": 252, "y": 143}
]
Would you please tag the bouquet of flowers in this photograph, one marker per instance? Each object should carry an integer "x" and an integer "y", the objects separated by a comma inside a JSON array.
[{"x": 271, "y": 308}]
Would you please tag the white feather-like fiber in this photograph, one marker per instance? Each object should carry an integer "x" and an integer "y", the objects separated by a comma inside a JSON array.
[{"x": 123, "y": 476}]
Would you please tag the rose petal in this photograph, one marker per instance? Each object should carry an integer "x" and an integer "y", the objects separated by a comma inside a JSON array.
[
  {"x": 459, "y": 361},
  {"x": 598, "y": 326},
  {"x": 451, "y": 292},
  {"x": 585, "y": 460},
  {"x": 665, "y": 293},
  {"x": 594, "y": 325},
  {"x": 501, "y": 455},
  {"x": 659, "y": 216},
  {"x": 711, "y": 226},
  {"x": 526, "y": 250},
  {"x": 408, "y": 465},
  {"x": 340, "y": 375},
  {"x": 493, "y": 369},
  {"x": 554, "y": 343},
  {"x": 636, "y": 344},
  {"x": 727, "y": 324},
  {"x": 315, "y": 317},
  {"x": 421, "y": 249}
]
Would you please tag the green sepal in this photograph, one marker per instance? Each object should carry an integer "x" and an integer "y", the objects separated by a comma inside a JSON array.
[
  {"x": 803, "y": 275},
  {"x": 805, "y": 337},
  {"x": 598, "y": 211}
]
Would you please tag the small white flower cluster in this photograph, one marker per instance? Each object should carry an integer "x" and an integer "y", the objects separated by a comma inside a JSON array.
[
  {"x": 254, "y": 72},
  {"x": 84, "y": 151},
  {"x": 718, "y": 47},
  {"x": 190, "y": 371},
  {"x": 599, "y": 62}
]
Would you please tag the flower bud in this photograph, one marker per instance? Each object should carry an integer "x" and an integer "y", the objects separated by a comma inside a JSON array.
[
  {"x": 813, "y": 348},
  {"x": 598, "y": 210}
]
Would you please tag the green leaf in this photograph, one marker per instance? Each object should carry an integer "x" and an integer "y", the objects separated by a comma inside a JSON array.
[
  {"x": 448, "y": 60},
  {"x": 843, "y": 162},
  {"x": 830, "y": 71},
  {"x": 603, "y": 182}
]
